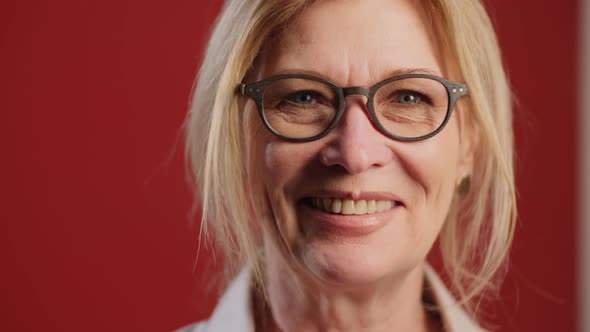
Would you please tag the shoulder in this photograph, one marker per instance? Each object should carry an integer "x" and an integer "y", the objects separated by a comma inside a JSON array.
[
  {"x": 232, "y": 312},
  {"x": 195, "y": 327}
]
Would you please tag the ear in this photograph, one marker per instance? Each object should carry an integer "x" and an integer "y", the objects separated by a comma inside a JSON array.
[{"x": 469, "y": 139}]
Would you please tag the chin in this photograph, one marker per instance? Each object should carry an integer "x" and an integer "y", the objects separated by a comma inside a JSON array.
[
  {"x": 353, "y": 250},
  {"x": 348, "y": 264}
]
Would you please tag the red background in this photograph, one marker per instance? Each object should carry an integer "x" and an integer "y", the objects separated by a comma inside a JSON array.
[{"x": 95, "y": 232}]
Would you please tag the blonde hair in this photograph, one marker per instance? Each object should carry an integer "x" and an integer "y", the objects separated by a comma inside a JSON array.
[{"x": 479, "y": 229}]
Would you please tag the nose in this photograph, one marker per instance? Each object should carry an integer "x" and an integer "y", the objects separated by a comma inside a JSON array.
[{"x": 355, "y": 144}]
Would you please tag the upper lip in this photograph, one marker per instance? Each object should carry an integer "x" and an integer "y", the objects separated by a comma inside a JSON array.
[{"x": 356, "y": 195}]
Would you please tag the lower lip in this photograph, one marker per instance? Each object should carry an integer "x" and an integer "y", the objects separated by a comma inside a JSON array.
[{"x": 346, "y": 225}]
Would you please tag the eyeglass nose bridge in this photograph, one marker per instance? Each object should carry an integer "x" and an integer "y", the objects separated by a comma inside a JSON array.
[{"x": 356, "y": 90}]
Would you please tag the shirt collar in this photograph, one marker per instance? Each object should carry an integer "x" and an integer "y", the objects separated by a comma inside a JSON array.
[
  {"x": 233, "y": 311},
  {"x": 454, "y": 318}
]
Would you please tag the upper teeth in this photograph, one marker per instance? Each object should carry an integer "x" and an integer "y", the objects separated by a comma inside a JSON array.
[{"x": 349, "y": 206}]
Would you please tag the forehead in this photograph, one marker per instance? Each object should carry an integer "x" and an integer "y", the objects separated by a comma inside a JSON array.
[{"x": 354, "y": 42}]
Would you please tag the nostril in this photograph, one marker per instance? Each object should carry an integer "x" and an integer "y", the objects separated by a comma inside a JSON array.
[
  {"x": 350, "y": 156},
  {"x": 329, "y": 155}
]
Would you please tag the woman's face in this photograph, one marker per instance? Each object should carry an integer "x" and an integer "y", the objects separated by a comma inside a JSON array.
[{"x": 407, "y": 187}]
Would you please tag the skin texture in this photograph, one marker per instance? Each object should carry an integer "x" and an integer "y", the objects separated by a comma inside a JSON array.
[{"x": 320, "y": 279}]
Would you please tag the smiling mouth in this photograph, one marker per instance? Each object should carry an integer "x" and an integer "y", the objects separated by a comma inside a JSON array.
[{"x": 349, "y": 206}]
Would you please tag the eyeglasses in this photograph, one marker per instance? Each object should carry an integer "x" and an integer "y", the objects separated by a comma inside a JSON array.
[{"x": 303, "y": 108}]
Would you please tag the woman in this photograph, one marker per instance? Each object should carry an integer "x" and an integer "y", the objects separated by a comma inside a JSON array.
[{"x": 333, "y": 142}]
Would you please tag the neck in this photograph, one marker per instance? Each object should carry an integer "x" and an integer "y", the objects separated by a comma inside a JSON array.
[{"x": 301, "y": 303}]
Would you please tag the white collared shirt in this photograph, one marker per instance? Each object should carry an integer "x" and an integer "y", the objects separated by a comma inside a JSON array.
[{"x": 233, "y": 312}]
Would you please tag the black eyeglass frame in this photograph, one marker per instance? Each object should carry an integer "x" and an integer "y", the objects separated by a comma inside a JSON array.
[{"x": 255, "y": 91}]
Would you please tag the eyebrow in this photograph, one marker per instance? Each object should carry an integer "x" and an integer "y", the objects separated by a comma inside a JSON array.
[
  {"x": 407, "y": 71},
  {"x": 393, "y": 73}
]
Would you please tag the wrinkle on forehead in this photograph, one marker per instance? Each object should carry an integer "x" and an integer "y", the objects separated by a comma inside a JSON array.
[{"x": 340, "y": 41}]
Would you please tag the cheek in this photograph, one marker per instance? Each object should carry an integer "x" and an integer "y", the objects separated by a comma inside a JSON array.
[
  {"x": 285, "y": 166},
  {"x": 274, "y": 167},
  {"x": 279, "y": 169},
  {"x": 433, "y": 167}
]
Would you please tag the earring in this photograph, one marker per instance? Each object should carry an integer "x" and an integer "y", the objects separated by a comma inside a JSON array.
[{"x": 464, "y": 185}]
